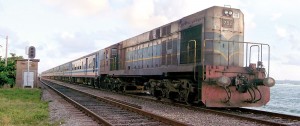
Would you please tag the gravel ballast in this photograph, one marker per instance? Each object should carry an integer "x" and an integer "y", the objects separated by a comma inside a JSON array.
[
  {"x": 185, "y": 115},
  {"x": 63, "y": 113}
]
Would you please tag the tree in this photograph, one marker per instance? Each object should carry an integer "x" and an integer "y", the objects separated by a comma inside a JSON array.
[{"x": 8, "y": 73}]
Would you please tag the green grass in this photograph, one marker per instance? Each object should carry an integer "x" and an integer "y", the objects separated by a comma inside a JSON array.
[{"x": 23, "y": 107}]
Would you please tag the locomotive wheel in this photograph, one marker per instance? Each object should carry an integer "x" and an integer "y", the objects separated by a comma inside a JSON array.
[
  {"x": 157, "y": 94},
  {"x": 191, "y": 97},
  {"x": 158, "y": 98},
  {"x": 121, "y": 88},
  {"x": 173, "y": 96}
]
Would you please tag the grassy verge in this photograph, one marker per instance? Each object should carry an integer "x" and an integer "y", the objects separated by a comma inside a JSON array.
[{"x": 23, "y": 107}]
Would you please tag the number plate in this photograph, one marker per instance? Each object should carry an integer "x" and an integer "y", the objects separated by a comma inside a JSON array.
[{"x": 227, "y": 23}]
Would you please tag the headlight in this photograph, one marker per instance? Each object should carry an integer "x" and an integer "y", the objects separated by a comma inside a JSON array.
[
  {"x": 226, "y": 12},
  {"x": 269, "y": 82},
  {"x": 223, "y": 81},
  {"x": 230, "y": 12}
]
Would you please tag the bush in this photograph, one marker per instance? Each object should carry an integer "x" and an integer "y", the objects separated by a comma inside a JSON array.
[{"x": 8, "y": 73}]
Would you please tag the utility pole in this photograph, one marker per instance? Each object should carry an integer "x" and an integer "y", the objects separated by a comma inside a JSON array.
[
  {"x": 5, "y": 48},
  {"x": 6, "y": 51}
]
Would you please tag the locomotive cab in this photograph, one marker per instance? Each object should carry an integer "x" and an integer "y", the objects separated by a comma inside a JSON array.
[{"x": 230, "y": 77}]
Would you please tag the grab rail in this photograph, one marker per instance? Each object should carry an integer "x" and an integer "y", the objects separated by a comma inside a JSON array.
[{"x": 247, "y": 44}]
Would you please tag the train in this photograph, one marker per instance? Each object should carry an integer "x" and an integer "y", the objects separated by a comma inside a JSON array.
[{"x": 199, "y": 59}]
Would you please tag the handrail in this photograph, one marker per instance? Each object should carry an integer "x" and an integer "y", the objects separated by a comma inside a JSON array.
[
  {"x": 247, "y": 46},
  {"x": 195, "y": 57},
  {"x": 203, "y": 58}
]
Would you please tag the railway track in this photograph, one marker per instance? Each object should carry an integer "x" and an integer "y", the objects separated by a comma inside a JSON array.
[
  {"x": 69, "y": 112},
  {"x": 262, "y": 117},
  {"x": 107, "y": 111}
]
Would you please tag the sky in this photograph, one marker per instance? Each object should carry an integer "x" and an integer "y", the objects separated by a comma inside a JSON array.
[{"x": 63, "y": 30}]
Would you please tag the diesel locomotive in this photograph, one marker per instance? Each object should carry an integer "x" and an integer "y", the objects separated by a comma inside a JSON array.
[{"x": 201, "y": 58}]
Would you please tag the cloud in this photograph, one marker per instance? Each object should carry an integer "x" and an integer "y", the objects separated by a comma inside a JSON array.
[
  {"x": 290, "y": 35},
  {"x": 15, "y": 45},
  {"x": 79, "y": 7},
  {"x": 141, "y": 15},
  {"x": 74, "y": 42},
  {"x": 288, "y": 41},
  {"x": 276, "y": 16},
  {"x": 283, "y": 71},
  {"x": 249, "y": 19},
  {"x": 83, "y": 42},
  {"x": 149, "y": 14},
  {"x": 66, "y": 46},
  {"x": 281, "y": 32},
  {"x": 292, "y": 59},
  {"x": 1, "y": 6},
  {"x": 67, "y": 35}
]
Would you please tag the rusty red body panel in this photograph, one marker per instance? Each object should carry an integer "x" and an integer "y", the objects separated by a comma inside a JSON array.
[
  {"x": 232, "y": 71},
  {"x": 215, "y": 96}
]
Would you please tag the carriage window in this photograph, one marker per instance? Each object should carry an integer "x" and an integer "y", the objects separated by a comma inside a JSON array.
[
  {"x": 114, "y": 51},
  {"x": 157, "y": 33},
  {"x": 168, "y": 29},
  {"x": 151, "y": 35},
  {"x": 164, "y": 31},
  {"x": 169, "y": 44}
]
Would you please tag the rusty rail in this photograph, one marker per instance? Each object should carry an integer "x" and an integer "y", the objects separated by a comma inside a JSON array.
[
  {"x": 77, "y": 105},
  {"x": 231, "y": 112},
  {"x": 124, "y": 105}
]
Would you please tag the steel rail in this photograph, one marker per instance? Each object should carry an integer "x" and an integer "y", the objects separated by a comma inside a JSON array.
[
  {"x": 285, "y": 116},
  {"x": 131, "y": 107},
  {"x": 221, "y": 111},
  {"x": 77, "y": 105}
]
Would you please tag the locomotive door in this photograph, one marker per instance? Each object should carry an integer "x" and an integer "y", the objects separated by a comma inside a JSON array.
[
  {"x": 101, "y": 61},
  {"x": 114, "y": 59},
  {"x": 104, "y": 59},
  {"x": 190, "y": 52},
  {"x": 117, "y": 57},
  {"x": 191, "y": 42}
]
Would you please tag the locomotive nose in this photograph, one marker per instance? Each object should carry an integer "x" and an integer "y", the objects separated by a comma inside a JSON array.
[{"x": 269, "y": 82}]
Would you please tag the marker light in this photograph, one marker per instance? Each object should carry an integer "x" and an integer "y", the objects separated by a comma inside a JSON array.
[
  {"x": 226, "y": 12},
  {"x": 269, "y": 82},
  {"x": 223, "y": 81}
]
